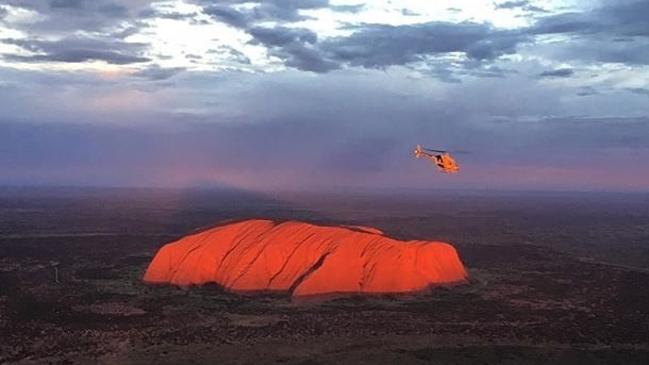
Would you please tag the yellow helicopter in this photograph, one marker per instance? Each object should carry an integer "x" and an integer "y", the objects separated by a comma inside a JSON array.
[{"x": 442, "y": 159}]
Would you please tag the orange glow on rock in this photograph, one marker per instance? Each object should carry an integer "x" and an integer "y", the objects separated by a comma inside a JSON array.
[{"x": 305, "y": 259}]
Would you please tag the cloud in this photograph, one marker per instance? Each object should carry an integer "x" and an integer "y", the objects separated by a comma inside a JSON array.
[
  {"x": 347, "y": 8},
  {"x": 79, "y": 55},
  {"x": 114, "y": 10},
  {"x": 380, "y": 46},
  {"x": 372, "y": 90},
  {"x": 512, "y": 4},
  {"x": 560, "y": 72},
  {"x": 370, "y": 45},
  {"x": 286, "y": 10},
  {"x": 78, "y": 49},
  {"x": 613, "y": 33},
  {"x": 228, "y": 15},
  {"x": 567, "y": 23},
  {"x": 107, "y": 8},
  {"x": 292, "y": 129},
  {"x": 376, "y": 46},
  {"x": 270, "y": 10},
  {"x": 524, "y": 5},
  {"x": 624, "y": 18},
  {"x": 234, "y": 55},
  {"x": 296, "y": 46},
  {"x": 587, "y": 91},
  {"x": 66, "y": 4},
  {"x": 306, "y": 58},
  {"x": 157, "y": 73},
  {"x": 639, "y": 91},
  {"x": 280, "y": 36},
  {"x": 69, "y": 17},
  {"x": 151, "y": 13},
  {"x": 597, "y": 49},
  {"x": 408, "y": 12},
  {"x": 567, "y": 133},
  {"x": 294, "y": 154}
]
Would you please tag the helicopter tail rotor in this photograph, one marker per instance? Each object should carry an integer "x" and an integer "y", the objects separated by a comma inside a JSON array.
[{"x": 418, "y": 151}]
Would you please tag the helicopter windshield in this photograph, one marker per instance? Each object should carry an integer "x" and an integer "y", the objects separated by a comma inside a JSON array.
[{"x": 447, "y": 164}]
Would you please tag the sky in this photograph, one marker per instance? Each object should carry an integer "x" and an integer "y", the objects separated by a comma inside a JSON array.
[{"x": 325, "y": 94}]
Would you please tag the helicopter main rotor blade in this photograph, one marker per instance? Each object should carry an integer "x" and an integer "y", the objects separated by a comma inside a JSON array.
[
  {"x": 432, "y": 150},
  {"x": 458, "y": 152}
]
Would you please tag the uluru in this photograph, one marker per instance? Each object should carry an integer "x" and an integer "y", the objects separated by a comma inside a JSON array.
[{"x": 305, "y": 260}]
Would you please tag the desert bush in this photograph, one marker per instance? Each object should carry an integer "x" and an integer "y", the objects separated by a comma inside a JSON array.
[{"x": 26, "y": 306}]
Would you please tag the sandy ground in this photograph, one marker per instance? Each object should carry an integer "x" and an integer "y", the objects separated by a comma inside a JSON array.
[{"x": 554, "y": 279}]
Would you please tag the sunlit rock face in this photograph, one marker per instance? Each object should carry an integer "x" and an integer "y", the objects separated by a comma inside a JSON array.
[{"x": 305, "y": 260}]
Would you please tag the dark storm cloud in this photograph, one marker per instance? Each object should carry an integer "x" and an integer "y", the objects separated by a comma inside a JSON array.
[
  {"x": 298, "y": 127},
  {"x": 624, "y": 18},
  {"x": 578, "y": 23},
  {"x": 3, "y": 12},
  {"x": 377, "y": 46},
  {"x": 337, "y": 152},
  {"x": 371, "y": 45},
  {"x": 78, "y": 55},
  {"x": 305, "y": 57},
  {"x": 109, "y": 9},
  {"x": 525, "y": 5},
  {"x": 512, "y": 4},
  {"x": 380, "y": 46},
  {"x": 616, "y": 32},
  {"x": 64, "y": 17},
  {"x": 77, "y": 49},
  {"x": 153, "y": 13},
  {"x": 157, "y": 73},
  {"x": 344, "y": 127},
  {"x": 66, "y": 4},
  {"x": 347, "y": 8},
  {"x": 228, "y": 15},
  {"x": 286, "y": 10},
  {"x": 281, "y": 11},
  {"x": 639, "y": 91},
  {"x": 587, "y": 91},
  {"x": 273, "y": 10},
  {"x": 598, "y": 49},
  {"x": 337, "y": 123},
  {"x": 280, "y": 36},
  {"x": 560, "y": 72},
  {"x": 113, "y": 10},
  {"x": 134, "y": 153},
  {"x": 54, "y": 35},
  {"x": 572, "y": 133},
  {"x": 296, "y": 46}
]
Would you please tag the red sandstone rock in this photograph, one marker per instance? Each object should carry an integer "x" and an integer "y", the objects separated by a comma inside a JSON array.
[{"x": 305, "y": 260}]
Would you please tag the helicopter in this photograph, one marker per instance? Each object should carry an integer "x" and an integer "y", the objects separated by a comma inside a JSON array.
[{"x": 442, "y": 159}]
